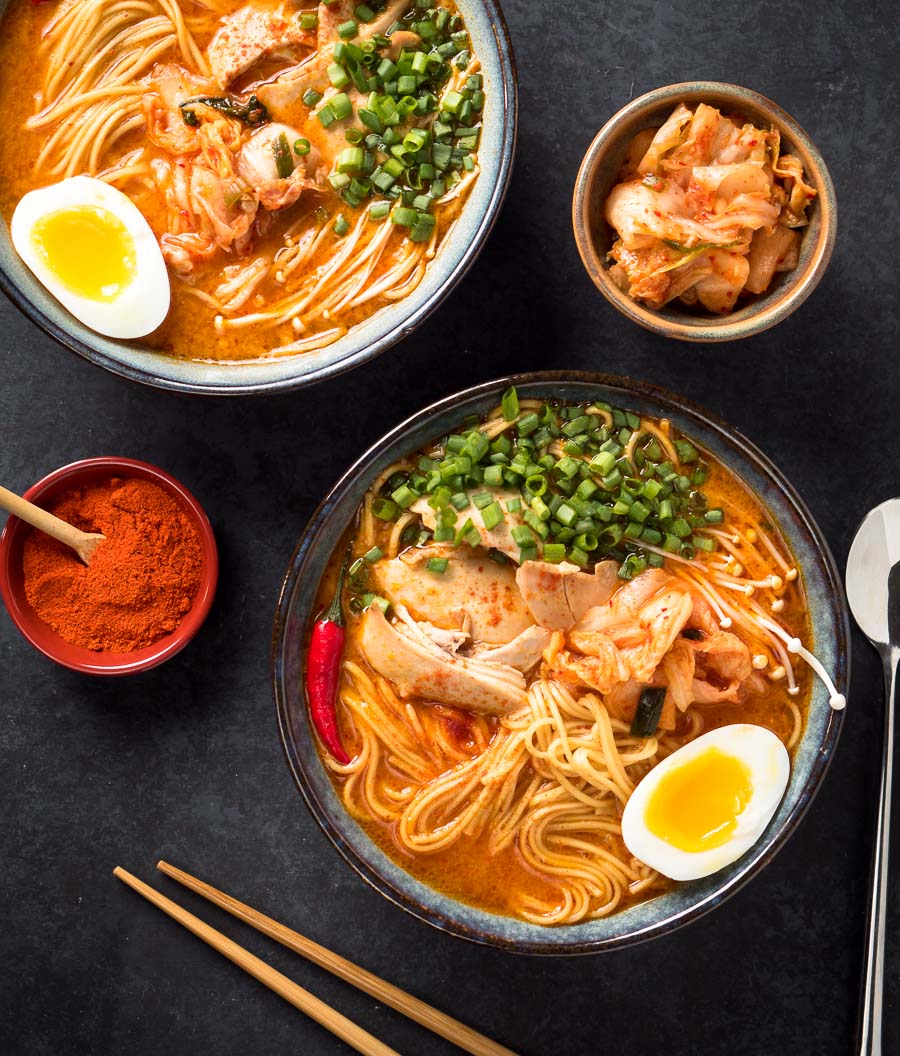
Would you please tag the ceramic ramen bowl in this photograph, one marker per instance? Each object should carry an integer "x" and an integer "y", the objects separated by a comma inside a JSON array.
[
  {"x": 599, "y": 174},
  {"x": 490, "y": 41},
  {"x": 88, "y": 661},
  {"x": 685, "y": 902}
]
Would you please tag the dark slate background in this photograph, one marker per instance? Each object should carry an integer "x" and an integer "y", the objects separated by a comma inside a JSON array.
[{"x": 184, "y": 762}]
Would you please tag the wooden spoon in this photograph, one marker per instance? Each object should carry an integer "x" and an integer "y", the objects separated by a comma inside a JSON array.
[{"x": 83, "y": 543}]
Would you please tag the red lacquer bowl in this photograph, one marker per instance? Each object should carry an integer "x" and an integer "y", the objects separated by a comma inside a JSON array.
[{"x": 41, "y": 635}]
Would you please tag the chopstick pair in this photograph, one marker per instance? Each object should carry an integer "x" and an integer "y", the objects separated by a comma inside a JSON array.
[{"x": 464, "y": 1037}]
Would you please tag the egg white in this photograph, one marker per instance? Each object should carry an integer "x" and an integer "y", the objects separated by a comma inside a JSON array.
[
  {"x": 141, "y": 305},
  {"x": 769, "y": 765}
]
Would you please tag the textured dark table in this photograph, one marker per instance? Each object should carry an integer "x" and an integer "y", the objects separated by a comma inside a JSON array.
[{"x": 184, "y": 762}]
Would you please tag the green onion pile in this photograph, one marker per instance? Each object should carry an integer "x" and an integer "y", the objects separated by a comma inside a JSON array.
[
  {"x": 584, "y": 503},
  {"x": 409, "y": 144}
]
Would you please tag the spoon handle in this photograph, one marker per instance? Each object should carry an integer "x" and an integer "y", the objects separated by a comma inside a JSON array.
[
  {"x": 41, "y": 519},
  {"x": 870, "y": 1028}
]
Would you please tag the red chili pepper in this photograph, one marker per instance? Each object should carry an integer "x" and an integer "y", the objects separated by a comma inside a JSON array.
[{"x": 323, "y": 669}]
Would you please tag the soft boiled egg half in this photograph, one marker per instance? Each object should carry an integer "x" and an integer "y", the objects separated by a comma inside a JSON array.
[
  {"x": 706, "y": 804},
  {"x": 89, "y": 244}
]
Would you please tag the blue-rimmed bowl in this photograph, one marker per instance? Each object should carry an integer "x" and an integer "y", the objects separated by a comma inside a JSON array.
[
  {"x": 491, "y": 43},
  {"x": 685, "y": 902}
]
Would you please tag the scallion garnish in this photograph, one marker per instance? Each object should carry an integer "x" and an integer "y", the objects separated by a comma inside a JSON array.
[{"x": 284, "y": 164}]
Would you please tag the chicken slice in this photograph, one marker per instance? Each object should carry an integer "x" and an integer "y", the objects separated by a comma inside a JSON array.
[
  {"x": 523, "y": 652},
  {"x": 250, "y": 34},
  {"x": 418, "y": 667},
  {"x": 559, "y": 595},
  {"x": 499, "y": 538},
  {"x": 472, "y": 584},
  {"x": 585, "y": 591}
]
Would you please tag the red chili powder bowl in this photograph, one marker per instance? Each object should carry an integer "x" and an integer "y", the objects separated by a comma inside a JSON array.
[{"x": 165, "y": 602}]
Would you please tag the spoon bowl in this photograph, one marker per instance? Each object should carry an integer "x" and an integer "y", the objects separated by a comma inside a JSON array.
[{"x": 875, "y": 549}]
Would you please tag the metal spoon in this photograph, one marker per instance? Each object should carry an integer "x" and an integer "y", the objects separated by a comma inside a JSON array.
[{"x": 873, "y": 587}]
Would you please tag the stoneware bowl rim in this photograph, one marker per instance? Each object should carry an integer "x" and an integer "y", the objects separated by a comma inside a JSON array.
[
  {"x": 42, "y": 637},
  {"x": 659, "y": 916},
  {"x": 790, "y": 290},
  {"x": 365, "y": 341}
]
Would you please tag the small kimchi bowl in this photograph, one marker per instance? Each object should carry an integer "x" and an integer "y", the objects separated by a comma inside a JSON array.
[
  {"x": 43, "y": 637},
  {"x": 599, "y": 173}
]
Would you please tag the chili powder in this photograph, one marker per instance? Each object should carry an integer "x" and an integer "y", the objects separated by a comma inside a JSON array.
[{"x": 140, "y": 583}]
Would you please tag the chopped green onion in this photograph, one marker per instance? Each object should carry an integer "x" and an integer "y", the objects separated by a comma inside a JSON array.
[
  {"x": 404, "y": 496},
  {"x": 492, "y": 515},
  {"x": 282, "y": 152},
  {"x": 384, "y": 509},
  {"x": 350, "y": 159},
  {"x": 404, "y": 217},
  {"x": 509, "y": 403},
  {"x": 437, "y": 564},
  {"x": 373, "y": 555},
  {"x": 686, "y": 451},
  {"x": 523, "y": 535},
  {"x": 703, "y": 542}
]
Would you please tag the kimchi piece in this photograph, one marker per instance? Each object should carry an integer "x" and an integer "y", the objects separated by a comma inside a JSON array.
[{"x": 706, "y": 209}]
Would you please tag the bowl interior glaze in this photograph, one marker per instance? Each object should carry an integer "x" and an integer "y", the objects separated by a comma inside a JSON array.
[
  {"x": 12, "y": 583},
  {"x": 491, "y": 43},
  {"x": 687, "y": 901},
  {"x": 599, "y": 173}
]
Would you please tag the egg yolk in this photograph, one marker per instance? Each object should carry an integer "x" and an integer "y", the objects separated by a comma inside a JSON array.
[
  {"x": 88, "y": 249},
  {"x": 695, "y": 806}
]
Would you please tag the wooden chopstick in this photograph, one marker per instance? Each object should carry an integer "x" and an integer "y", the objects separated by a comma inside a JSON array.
[
  {"x": 465, "y": 1037},
  {"x": 323, "y": 1014}
]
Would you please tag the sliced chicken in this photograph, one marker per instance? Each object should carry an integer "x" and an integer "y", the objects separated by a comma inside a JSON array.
[
  {"x": 449, "y": 641},
  {"x": 283, "y": 91},
  {"x": 472, "y": 586},
  {"x": 499, "y": 538},
  {"x": 559, "y": 595},
  {"x": 587, "y": 590},
  {"x": 250, "y": 34},
  {"x": 523, "y": 652},
  {"x": 418, "y": 667}
]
